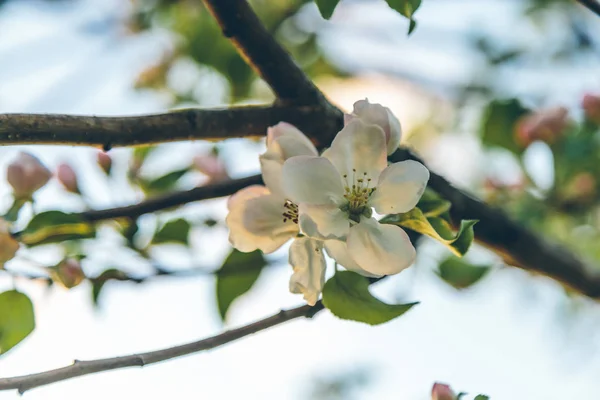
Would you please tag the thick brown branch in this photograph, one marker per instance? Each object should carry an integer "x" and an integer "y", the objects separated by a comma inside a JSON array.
[
  {"x": 517, "y": 245},
  {"x": 80, "y": 368},
  {"x": 592, "y": 5},
  {"x": 241, "y": 25},
  {"x": 179, "y": 125}
]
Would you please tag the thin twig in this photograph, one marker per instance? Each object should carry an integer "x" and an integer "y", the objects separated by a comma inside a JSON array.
[
  {"x": 179, "y": 125},
  {"x": 592, "y": 5},
  {"x": 174, "y": 199},
  {"x": 80, "y": 368}
]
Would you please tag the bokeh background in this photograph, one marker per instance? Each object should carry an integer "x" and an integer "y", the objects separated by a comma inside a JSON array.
[{"x": 510, "y": 335}]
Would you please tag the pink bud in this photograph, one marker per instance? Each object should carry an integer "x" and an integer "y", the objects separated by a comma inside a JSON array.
[
  {"x": 545, "y": 125},
  {"x": 441, "y": 391},
  {"x": 211, "y": 166},
  {"x": 104, "y": 161},
  {"x": 8, "y": 245},
  {"x": 26, "y": 175},
  {"x": 582, "y": 188},
  {"x": 66, "y": 175},
  {"x": 68, "y": 273},
  {"x": 591, "y": 107},
  {"x": 381, "y": 116}
]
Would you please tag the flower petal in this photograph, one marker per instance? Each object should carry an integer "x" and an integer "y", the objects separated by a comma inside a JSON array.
[
  {"x": 247, "y": 193},
  {"x": 255, "y": 221},
  {"x": 373, "y": 113},
  {"x": 323, "y": 221},
  {"x": 308, "y": 261},
  {"x": 357, "y": 149},
  {"x": 285, "y": 141},
  {"x": 380, "y": 249},
  {"x": 264, "y": 217},
  {"x": 312, "y": 180},
  {"x": 338, "y": 250},
  {"x": 400, "y": 187},
  {"x": 271, "y": 174}
]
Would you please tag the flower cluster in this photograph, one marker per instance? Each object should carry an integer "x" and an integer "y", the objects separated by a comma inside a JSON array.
[{"x": 326, "y": 202}]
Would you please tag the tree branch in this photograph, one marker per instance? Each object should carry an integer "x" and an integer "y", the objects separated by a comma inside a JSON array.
[
  {"x": 80, "y": 368},
  {"x": 241, "y": 25},
  {"x": 592, "y": 5},
  {"x": 517, "y": 245},
  {"x": 174, "y": 199},
  {"x": 178, "y": 125}
]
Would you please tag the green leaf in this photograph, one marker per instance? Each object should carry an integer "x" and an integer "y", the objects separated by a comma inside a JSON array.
[
  {"x": 163, "y": 183},
  {"x": 326, "y": 7},
  {"x": 432, "y": 204},
  {"x": 460, "y": 274},
  {"x": 498, "y": 127},
  {"x": 105, "y": 276},
  {"x": 17, "y": 320},
  {"x": 436, "y": 227},
  {"x": 347, "y": 296},
  {"x": 406, "y": 8},
  {"x": 175, "y": 231},
  {"x": 237, "y": 275},
  {"x": 55, "y": 227},
  {"x": 481, "y": 397}
]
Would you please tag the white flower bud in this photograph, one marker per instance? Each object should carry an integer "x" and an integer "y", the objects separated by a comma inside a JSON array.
[{"x": 381, "y": 116}]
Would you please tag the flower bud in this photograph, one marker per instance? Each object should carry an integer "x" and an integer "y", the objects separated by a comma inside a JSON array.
[
  {"x": 66, "y": 175},
  {"x": 8, "y": 245},
  {"x": 591, "y": 107},
  {"x": 68, "y": 273},
  {"x": 26, "y": 175},
  {"x": 582, "y": 188},
  {"x": 381, "y": 116},
  {"x": 442, "y": 391},
  {"x": 211, "y": 166},
  {"x": 546, "y": 125},
  {"x": 104, "y": 161},
  {"x": 285, "y": 141}
]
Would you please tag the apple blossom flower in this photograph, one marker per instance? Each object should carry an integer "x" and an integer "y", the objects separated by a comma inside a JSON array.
[
  {"x": 262, "y": 217},
  {"x": 8, "y": 244},
  {"x": 26, "y": 175},
  {"x": 381, "y": 116},
  {"x": 336, "y": 194},
  {"x": 441, "y": 391}
]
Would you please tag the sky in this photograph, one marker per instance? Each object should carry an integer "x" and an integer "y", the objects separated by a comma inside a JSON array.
[{"x": 512, "y": 337}]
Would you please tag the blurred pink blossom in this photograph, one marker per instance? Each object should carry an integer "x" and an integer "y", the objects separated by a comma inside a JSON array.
[
  {"x": 441, "y": 391},
  {"x": 545, "y": 125},
  {"x": 211, "y": 166},
  {"x": 68, "y": 178},
  {"x": 591, "y": 107},
  {"x": 26, "y": 175}
]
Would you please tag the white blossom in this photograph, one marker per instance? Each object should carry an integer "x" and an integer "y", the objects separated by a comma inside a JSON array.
[
  {"x": 262, "y": 217},
  {"x": 373, "y": 113},
  {"x": 336, "y": 195}
]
